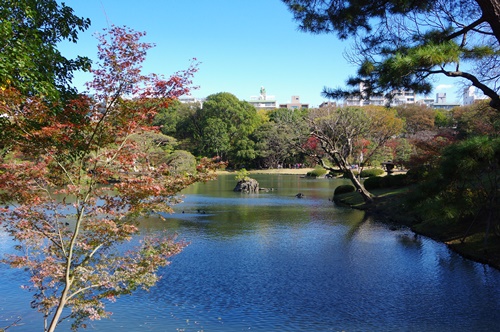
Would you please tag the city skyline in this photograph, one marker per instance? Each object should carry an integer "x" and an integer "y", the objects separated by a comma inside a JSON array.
[{"x": 241, "y": 46}]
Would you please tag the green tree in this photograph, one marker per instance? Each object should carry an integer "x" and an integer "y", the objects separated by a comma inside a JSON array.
[
  {"x": 476, "y": 119},
  {"x": 336, "y": 133},
  {"x": 236, "y": 119},
  {"x": 181, "y": 162},
  {"x": 401, "y": 150},
  {"x": 401, "y": 44},
  {"x": 30, "y": 31},
  {"x": 167, "y": 118},
  {"x": 443, "y": 118},
  {"x": 70, "y": 222},
  {"x": 189, "y": 126},
  {"x": 156, "y": 147},
  {"x": 417, "y": 117},
  {"x": 463, "y": 188},
  {"x": 277, "y": 138},
  {"x": 215, "y": 138}
]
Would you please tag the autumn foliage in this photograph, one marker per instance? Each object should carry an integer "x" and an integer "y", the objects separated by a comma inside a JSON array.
[{"x": 73, "y": 184}]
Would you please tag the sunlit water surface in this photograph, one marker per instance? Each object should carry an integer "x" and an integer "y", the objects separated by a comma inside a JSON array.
[{"x": 272, "y": 262}]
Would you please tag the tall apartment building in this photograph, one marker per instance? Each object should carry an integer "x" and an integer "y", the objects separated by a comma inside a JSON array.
[
  {"x": 294, "y": 104},
  {"x": 399, "y": 97},
  {"x": 192, "y": 100},
  {"x": 471, "y": 97},
  {"x": 441, "y": 102},
  {"x": 263, "y": 101}
]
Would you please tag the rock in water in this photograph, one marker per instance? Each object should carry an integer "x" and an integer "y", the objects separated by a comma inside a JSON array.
[{"x": 247, "y": 186}]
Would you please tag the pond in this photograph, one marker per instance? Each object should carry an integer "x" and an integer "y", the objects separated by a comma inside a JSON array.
[{"x": 273, "y": 262}]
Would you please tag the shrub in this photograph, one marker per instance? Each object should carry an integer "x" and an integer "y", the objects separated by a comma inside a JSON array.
[
  {"x": 335, "y": 173},
  {"x": 356, "y": 173},
  {"x": 318, "y": 171},
  {"x": 367, "y": 173},
  {"x": 389, "y": 181},
  {"x": 416, "y": 174},
  {"x": 343, "y": 189},
  {"x": 242, "y": 175},
  {"x": 182, "y": 161},
  {"x": 398, "y": 180},
  {"x": 374, "y": 182}
]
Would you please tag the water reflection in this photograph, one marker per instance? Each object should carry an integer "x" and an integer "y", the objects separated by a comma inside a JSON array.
[{"x": 271, "y": 262}]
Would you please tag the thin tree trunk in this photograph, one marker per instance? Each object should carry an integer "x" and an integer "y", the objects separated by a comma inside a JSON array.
[
  {"x": 367, "y": 196},
  {"x": 62, "y": 303},
  {"x": 342, "y": 163},
  {"x": 344, "y": 167}
]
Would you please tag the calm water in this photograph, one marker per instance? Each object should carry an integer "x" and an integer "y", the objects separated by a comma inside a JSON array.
[{"x": 272, "y": 262}]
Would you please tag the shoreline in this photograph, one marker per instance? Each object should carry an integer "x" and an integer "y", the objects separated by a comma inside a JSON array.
[
  {"x": 471, "y": 246},
  {"x": 284, "y": 171},
  {"x": 387, "y": 209}
]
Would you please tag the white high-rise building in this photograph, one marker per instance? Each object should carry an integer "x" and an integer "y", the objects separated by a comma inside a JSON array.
[
  {"x": 470, "y": 97},
  {"x": 399, "y": 97},
  {"x": 263, "y": 101}
]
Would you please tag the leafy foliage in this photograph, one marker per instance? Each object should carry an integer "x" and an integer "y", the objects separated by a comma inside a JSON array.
[
  {"x": 477, "y": 119},
  {"x": 336, "y": 134},
  {"x": 278, "y": 139},
  {"x": 318, "y": 171},
  {"x": 389, "y": 181},
  {"x": 81, "y": 177},
  {"x": 343, "y": 189},
  {"x": 417, "y": 117},
  {"x": 223, "y": 128},
  {"x": 30, "y": 32},
  {"x": 242, "y": 175},
  {"x": 181, "y": 162},
  {"x": 464, "y": 188},
  {"x": 366, "y": 173},
  {"x": 402, "y": 44}
]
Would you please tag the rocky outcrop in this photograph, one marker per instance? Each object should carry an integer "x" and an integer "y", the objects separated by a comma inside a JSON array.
[{"x": 247, "y": 185}]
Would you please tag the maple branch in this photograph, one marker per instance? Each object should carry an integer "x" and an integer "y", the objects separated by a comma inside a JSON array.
[
  {"x": 68, "y": 176},
  {"x": 106, "y": 112},
  {"x": 70, "y": 296},
  {"x": 89, "y": 256},
  {"x": 47, "y": 235}
]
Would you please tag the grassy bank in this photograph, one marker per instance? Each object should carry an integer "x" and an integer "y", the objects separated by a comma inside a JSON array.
[
  {"x": 467, "y": 240},
  {"x": 390, "y": 207},
  {"x": 289, "y": 171}
]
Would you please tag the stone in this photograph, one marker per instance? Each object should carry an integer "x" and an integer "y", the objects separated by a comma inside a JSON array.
[{"x": 247, "y": 185}]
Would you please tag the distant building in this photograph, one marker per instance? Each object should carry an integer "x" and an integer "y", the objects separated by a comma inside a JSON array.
[
  {"x": 402, "y": 97},
  {"x": 263, "y": 101},
  {"x": 399, "y": 97},
  {"x": 441, "y": 98},
  {"x": 427, "y": 101},
  {"x": 470, "y": 97},
  {"x": 192, "y": 100},
  {"x": 441, "y": 102},
  {"x": 330, "y": 104},
  {"x": 294, "y": 104}
]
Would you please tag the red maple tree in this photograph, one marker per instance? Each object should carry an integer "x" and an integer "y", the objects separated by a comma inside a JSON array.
[{"x": 74, "y": 184}]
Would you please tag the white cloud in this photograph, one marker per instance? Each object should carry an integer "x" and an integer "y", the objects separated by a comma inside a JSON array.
[{"x": 444, "y": 87}]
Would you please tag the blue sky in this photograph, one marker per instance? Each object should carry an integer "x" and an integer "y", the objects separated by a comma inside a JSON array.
[{"x": 241, "y": 44}]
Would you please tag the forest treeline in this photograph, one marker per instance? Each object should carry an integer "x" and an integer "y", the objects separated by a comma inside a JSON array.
[{"x": 452, "y": 157}]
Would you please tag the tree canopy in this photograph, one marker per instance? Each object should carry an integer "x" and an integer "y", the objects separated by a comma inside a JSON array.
[
  {"x": 223, "y": 127},
  {"x": 335, "y": 133},
  {"x": 76, "y": 180},
  {"x": 30, "y": 31},
  {"x": 402, "y": 44}
]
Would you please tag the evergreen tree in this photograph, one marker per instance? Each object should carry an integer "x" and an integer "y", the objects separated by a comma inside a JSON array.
[{"x": 401, "y": 44}]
